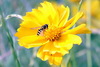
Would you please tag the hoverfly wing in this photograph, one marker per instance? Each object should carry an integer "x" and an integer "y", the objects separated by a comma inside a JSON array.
[{"x": 35, "y": 28}]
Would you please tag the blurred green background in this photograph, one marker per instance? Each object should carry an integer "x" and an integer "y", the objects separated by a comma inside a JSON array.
[{"x": 85, "y": 55}]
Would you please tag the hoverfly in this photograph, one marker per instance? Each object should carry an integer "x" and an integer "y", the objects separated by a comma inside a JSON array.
[{"x": 42, "y": 28}]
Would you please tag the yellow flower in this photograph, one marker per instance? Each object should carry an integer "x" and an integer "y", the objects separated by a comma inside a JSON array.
[
  {"x": 94, "y": 11},
  {"x": 95, "y": 8},
  {"x": 54, "y": 35},
  {"x": 74, "y": 0}
]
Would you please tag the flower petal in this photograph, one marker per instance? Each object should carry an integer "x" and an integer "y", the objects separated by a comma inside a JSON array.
[
  {"x": 24, "y": 31},
  {"x": 49, "y": 10},
  {"x": 55, "y": 59},
  {"x": 40, "y": 17},
  {"x": 72, "y": 39},
  {"x": 30, "y": 20},
  {"x": 43, "y": 55},
  {"x": 49, "y": 47},
  {"x": 64, "y": 15},
  {"x": 64, "y": 45},
  {"x": 32, "y": 41},
  {"x": 73, "y": 20},
  {"x": 81, "y": 29},
  {"x": 66, "y": 42}
]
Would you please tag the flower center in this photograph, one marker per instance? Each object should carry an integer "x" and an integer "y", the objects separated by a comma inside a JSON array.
[{"x": 52, "y": 33}]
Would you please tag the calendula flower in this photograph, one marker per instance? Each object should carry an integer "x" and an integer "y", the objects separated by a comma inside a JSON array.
[{"x": 49, "y": 27}]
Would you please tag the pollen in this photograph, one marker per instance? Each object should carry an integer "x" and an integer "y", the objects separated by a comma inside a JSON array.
[{"x": 52, "y": 33}]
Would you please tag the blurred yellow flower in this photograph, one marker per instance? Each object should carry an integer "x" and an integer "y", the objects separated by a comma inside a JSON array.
[
  {"x": 94, "y": 7},
  {"x": 94, "y": 11},
  {"x": 74, "y": 0},
  {"x": 49, "y": 27}
]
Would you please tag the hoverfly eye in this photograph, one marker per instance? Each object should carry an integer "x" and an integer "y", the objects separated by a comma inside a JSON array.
[{"x": 45, "y": 26}]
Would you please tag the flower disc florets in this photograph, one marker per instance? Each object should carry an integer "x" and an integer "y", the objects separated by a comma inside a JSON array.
[{"x": 52, "y": 33}]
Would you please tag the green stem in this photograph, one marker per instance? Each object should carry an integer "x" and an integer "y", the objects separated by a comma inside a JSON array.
[
  {"x": 80, "y": 4},
  {"x": 88, "y": 36},
  {"x": 9, "y": 38},
  {"x": 89, "y": 59},
  {"x": 66, "y": 61},
  {"x": 74, "y": 64}
]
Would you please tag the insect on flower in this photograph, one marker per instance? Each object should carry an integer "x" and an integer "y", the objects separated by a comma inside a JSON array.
[{"x": 41, "y": 30}]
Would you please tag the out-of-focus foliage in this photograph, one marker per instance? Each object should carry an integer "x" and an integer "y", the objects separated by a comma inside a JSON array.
[{"x": 27, "y": 57}]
